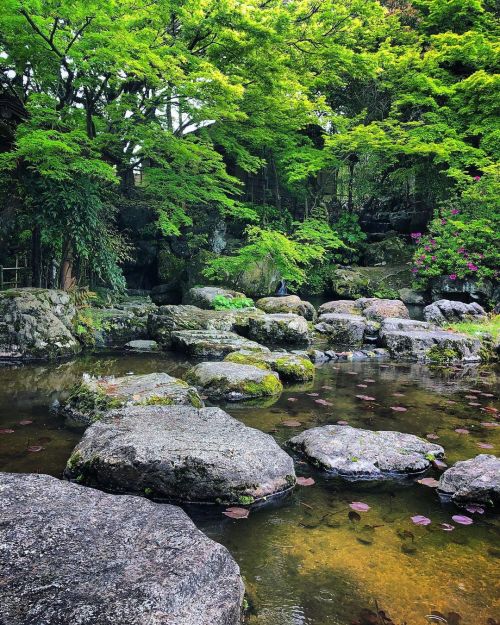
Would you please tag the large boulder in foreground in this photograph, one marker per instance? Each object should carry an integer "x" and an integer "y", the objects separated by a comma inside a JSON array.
[
  {"x": 279, "y": 329},
  {"x": 447, "y": 311},
  {"x": 438, "y": 346},
  {"x": 182, "y": 454},
  {"x": 94, "y": 397},
  {"x": 233, "y": 381},
  {"x": 76, "y": 556},
  {"x": 203, "y": 296},
  {"x": 37, "y": 324},
  {"x": 287, "y": 304},
  {"x": 472, "y": 481},
  {"x": 362, "y": 454},
  {"x": 212, "y": 343},
  {"x": 290, "y": 367}
]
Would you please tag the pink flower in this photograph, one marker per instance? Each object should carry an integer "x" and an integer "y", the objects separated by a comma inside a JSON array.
[
  {"x": 454, "y": 211},
  {"x": 452, "y": 276},
  {"x": 432, "y": 241},
  {"x": 472, "y": 267},
  {"x": 477, "y": 178},
  {"x": 433, "y": 257},
  {"x": 481, "y": 255},
  {"x": 443, "y": 222},
  {"x": 461, "y": 250},
  {"x": 422, "y": 256},
  {"x": 427, "y": 248},
  {"x": 416, "y": 235},
  {"x": 414, "y": 270}
]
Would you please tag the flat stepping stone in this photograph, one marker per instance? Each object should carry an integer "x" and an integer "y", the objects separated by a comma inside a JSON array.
[
  {"x": 211, "y": 343},
  {"x": 75, "y": 555},
  {"x": 182, "y": 454},
  {"x": 279, "y": 329},
  {"x": 362, "y": 454},
  {"x": 290, "y": 367},
  {"x": 287, "y": 304},
  {"x": 234, "y": 381},
  {"x": 431, "y": 346},
  {"x": 472, "y": 481},
  {"x": 94, "y": 397}
]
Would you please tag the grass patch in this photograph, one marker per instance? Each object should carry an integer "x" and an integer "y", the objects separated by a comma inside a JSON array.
[{"x": 475, "y": 328}]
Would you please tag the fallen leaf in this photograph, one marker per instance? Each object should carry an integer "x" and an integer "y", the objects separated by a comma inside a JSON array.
[
  {"x": 490, "y": 409},
  {"x": 446, "y": 527},
  {"x": 291, "y": 423},
  {"x": 236, "y": 513},
  {"x": 398, "y": 394},
  {"x": 305, "y": 481},
  {"x": 365, "y": 397},
  {"x": 429, "y": 481},
  {"x": 490, "y": 424},
  {"x": 25, "y": 422},
  {"x": 323, "y": 402},
  {"x": 485, "y": 445},
  {"x": 7, "y": 431},
  {"x": 470, "y": 397},
  {"x": 327, "y": 388},
  {"x": 463, "y": 520},
  {"x": 487, "y": 394},
  {"x": 369, "y": 380},
  {"x": 399, "y": 408},
  {"x": 432, "y": 437},
  {"x": 474, "y": 403},
  {"x": 362, "y": 385},
  {"x": 359, "y": 506},
  {"x": 342, "y": 422},
  {"x": 462, "y": 431},
  {"x": 35, "y": 448},
  {"x": 313, "y": 394},
  {"x": 419, "y": 519},
  {"x": 474, "y": 508},
  {"x": 292, "y": 399}
]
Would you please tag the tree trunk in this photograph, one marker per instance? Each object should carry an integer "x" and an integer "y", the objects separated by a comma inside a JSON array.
[
  {"x": 36, "y": 257},
  {"x": 67, "y": 279}
]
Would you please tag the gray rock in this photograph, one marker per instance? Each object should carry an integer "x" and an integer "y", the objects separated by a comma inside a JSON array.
[
  {"x": 342, "y": 331},
  {"x": 476, "y": 480},
  {"x": 292, "y": 367},
  {"x": 279, "y": 329},
  {"x": 94, "y": 397},
  {"x": 446, "y": 311},
  {"x": 287, "y": 304},
  {"x": 234, "y": 381},
  {"x": 203, "y": 296},
  {"x": 76, "y": 556},
  {"x": 380, "y": 309},
  {"x": 341, "y": 307},
  {"x": 481, "y": 291},
  {"x": 393, "y": 324},
  {"x": 168, "y": 293},
  {"x": 431, "y": 346},
  {"x": 142, "y": 346},
  {"x": 212, "y": 343},
  {"x": 37, "y": 324},
  {"x": 182, "y": 454},
  {"x": 363, "y": 454},
  {"x": 260, "y": 278},
  {"x": 115, "y": 327},
  {"x": 410, "y": 296}
]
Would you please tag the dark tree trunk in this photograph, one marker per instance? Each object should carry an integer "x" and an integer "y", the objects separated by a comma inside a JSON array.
[{"x": 36, "y": 257}]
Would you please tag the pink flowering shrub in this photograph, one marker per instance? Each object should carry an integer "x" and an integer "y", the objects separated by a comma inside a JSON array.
[{"x": 463, "y": 238}]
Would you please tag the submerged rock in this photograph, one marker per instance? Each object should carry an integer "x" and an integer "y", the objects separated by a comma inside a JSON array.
[
  {"x": 287, "y": 304},
  {"x": 182, "y": 454},
  {"x": 363, "y": 454},
  {"x": 203, "y": 296},
  {"x": 76, "y": 556},
  {"x": 142, "y": 346},
  {"x": 476, "y": 481},
  {"x": 446, "y": 311},
  {"x": 290, "y": 367},
  {"x": 94, "y": 397},
  {"x": 431, "y": 346},
  {"x": 37, "y": 324},
  {"x": 211, "y": 343},
  {"x": 234, "y": 381},
  {"x": 279, "y": 329}
]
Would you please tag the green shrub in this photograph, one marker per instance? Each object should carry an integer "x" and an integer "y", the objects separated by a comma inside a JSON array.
[{"x": 221, "y": 302}]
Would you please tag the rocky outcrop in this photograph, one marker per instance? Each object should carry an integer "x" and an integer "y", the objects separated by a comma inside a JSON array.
[
  {"x": 234, "y": 381},
  {"x": 480, "y": 291},
  {"x": 472, "y": 481},
  {"x": 290, "y": 367},
  {"x": 37, "y": 324},
  {"x": 362, "y": 454},
  {"x": 377, "y": 309},
  {"x": 182, "y": 454},
  {"x": 343, "y": 331},
  {"x": 94, "y": 397},
  {"x": 259, "y": 279},
  {"x": 212, "y": 343},
  {"x": 446, "y": 311},
  {"x": 410, "y": 296},
  {"x": 164, "y": 294},
  {"x": 142, "y": 346},
  {"x": 287, "y": 304},
  {"x": 341, "y": 307},
  {"x": 203, "y": 296},
  {"x": 279, "y": 329},
  {"x": 73, "y": 555},
  {"x": 117, "y": 326},
  {"x": 366, "y": 281}
]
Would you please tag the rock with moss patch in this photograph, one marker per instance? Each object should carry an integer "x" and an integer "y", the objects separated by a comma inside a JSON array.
[
  {"x": 74, "y": 555},
  {"x": 182, "y": 454},
  {"x": 447, "y": 311},
  {"x": 343, "y": 331},
  {"x": 37, "y": 324},
  {"x": 94, "y": 397},
  {"x": 472, "y": 481},
  {"x": 431, "y": 346},
  {"x": 234, "y": 381},
  {"x": 378, "y": 309},
  {"x": 203, "y": 296},
  {"x": 340, "y": 307},
  {"x": 279, "y": 329},
  {"x": 290, "y": 367},
  {"x": 287, "y": 304},
  {"x": 364, "y": 454},
  {"x": 212, "y": 343}
]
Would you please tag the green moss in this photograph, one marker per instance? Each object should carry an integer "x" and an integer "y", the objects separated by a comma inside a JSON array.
[
  {"x": 92, "y": 402},
  {"x": 269, "y": 385},
  {"x": 157, "y": 400},
  {"x": 299, "y": 370},
  {"x": 74, "y": 460},
  {"x": 246, "y": 500},
  {"x": 195, "y": 399},
  {"x": 248, "y": 359},
  {"x": 443, "y": 355}
]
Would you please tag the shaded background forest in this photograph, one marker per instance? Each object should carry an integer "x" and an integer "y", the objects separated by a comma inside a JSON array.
[{"x": 181, "y": 142}]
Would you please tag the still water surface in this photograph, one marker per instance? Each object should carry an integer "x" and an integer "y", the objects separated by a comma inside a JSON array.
[{"x": 304, "y": 561}]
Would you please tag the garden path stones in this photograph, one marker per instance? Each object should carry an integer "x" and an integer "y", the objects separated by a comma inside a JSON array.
[
  {"x": 93, "y": 397},
  {"x": 234, "y": 381},
  {"x": 279, "y": 329},
  {"x": 183, "y": 454},
  {"x": 476, "y": 481},
  {"x": 212, "y": 343},
  {"x": 77, "y": 556},
  {"x": 363, "y": 454}
]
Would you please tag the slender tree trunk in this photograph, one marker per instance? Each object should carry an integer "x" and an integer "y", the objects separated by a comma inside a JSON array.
[
  {"x": 67, "y": 279},
  {"x": 350, "y": 186},
  {"x": 36, "y": 257}
]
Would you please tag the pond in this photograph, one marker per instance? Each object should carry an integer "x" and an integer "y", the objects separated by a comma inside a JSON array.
[{"x": 305, "y": 559}]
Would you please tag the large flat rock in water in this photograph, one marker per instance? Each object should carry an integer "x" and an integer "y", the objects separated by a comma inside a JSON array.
[
  {"x": 287, "y": 304},
  {"x": 94, "y": 397},
  {"x": 212, "y": 343},
  {"x": 363, "y": 454},
  {"x": 279, "y": 329},
  {"x": 431, "y": 346},
  {"x": 290, "y": 367},
  {"x": 72, "y": 555},
  {"x": 475, "y": 480},
  {"x": 182, "y": 454}
]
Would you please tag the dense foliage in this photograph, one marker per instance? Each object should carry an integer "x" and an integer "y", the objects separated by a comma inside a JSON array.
[{"x": 284, "y": 125}]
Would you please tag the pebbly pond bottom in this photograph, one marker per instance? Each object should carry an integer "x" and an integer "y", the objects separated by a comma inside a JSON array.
[{"x": 309, "y": 559}]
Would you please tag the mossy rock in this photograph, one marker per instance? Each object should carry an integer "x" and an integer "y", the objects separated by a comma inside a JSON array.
[{"x": 290, "y": 367}]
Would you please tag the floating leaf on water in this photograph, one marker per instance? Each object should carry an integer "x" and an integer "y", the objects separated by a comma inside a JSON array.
[
  {"x": 419, "y": 519},
  {"x": 7, "y": 431},
  {"x": 462, "y": 431},
  {"x": 490, "y": 409},
  {"x": 446, "y": 527},
  {"x": 429, "y": 481},
  {"x": 463, "y": 520},
  {"x": 470, "y": 397},
  {"x": 327, "y": 388},
  {"x": 34, "y": 448},
  {"x": 432, "y": 437},
  {"x": 291, "y": 423},
  {"x": 487, "y": 394},
  {"x": 474, "y": 403},
  {"x": 399, "y": 408},
  {"x": 305, "y": 481},
  {"x": 362, "y": 385},
  {"x": 439, "y": 464},
  {"x": 359, "y": 506},
  {"x": 365, "y": 397},
  {"x": 474, "y": 508},
  {"x": 342, "y": 422},
  {"x": 323, "y": 402},
  {"x": 313, "y": 394},
  {"x": 369, "y": 380},
  {"x": 354, "y": 516},
  {"x": 490, "y": 424},
  {"x": 25, "y": 422},
  {"x": 292, "y": 399},
  {"x": 398, "y": 394},
  {"x": 236, "y": 512},
  {"x": 485, "y": 445}
]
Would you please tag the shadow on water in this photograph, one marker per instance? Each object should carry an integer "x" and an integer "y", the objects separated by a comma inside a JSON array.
[{"x": 308, "y": 559}]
